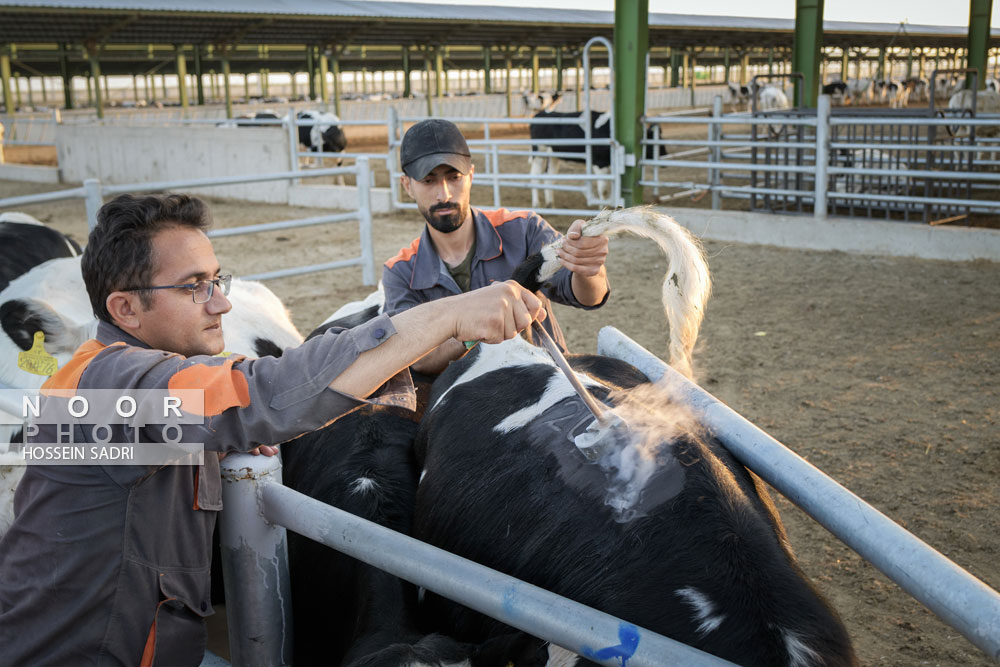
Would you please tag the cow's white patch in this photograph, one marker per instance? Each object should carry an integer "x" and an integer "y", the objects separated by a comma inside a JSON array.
[
  {"x": 560, "y": 657},
  {"x": 557, "y": 389},
  {"x": 704, "y": 609},
  {"x": 423, "y": 473},
  {"x": 364, "y": 485},
  {"x": 799, "y": 654},
  {"x": 602, "y": 120},
  {"x": 513, "y": 352}
]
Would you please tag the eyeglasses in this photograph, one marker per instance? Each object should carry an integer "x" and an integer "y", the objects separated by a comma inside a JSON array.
[{"x": 201, "y": 291}]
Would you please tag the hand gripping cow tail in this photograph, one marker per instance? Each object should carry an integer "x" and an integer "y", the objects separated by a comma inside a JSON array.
[{"x": 686, "y": 285}]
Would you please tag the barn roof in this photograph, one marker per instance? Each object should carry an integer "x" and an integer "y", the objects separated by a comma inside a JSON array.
[{"x": 366, "y": 22}]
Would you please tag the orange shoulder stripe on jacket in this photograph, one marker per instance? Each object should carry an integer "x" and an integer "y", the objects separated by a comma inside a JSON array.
[
  {"x": 405, "y": 254},
  {"x": 68, "y": 377},
  {"x": 224, "y": 386},
  {"x": 502, "y": 215}
]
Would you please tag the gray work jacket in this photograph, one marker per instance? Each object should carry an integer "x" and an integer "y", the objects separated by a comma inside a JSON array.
[{"x": 109, "y": 564}]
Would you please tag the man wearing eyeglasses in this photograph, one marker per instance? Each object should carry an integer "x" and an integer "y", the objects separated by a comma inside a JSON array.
[{"x": 109, "y": 564}]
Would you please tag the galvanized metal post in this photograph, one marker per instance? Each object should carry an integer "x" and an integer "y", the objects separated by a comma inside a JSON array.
[
  {"x": 407, "y": 92},
  {"x": 392, "y": 156},
  {"x": 364, "y": 181},
  {"x": 978, "y": 39},
  {"x": 959, "y": 599},
  {"x": 507, "y": 65},
  {"x": 95, "y": 72},
  {"x": 5, "y": 78},
  {"x": 427, "y": 85},
  {"x": 226, "y": 74},
  {"x": 254, "y": 565},
  {"x": 631, "y": 43},
  {"x": 487, "y": 67},
  {"x": 438, "y": 72},
  {"x": 715, "y": 134},
  {"x": 822, "y": 156},
  {"x": 559, "y": 68},
  {"x": 807, "y": 49},
  {"x": 67, "y": 78},
  {"x": 585, "y": 122},
  {"x": 181, "y": 76},
  {"x": 92, "y": 200}
]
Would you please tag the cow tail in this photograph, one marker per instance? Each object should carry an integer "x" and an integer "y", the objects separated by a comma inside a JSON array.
[{"x": 686, "y": 285}]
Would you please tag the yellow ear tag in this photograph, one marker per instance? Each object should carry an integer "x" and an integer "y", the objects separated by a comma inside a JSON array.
[
  {"x": 224, "y": 353},
  {"x": 36, "y": 360}
]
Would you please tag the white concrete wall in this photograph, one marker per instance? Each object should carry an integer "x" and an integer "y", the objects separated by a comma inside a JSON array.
[
  {"x": 122, "y": 155},
  {"x": 867, "y": 237},
  {"x": 28, "y": 173}
]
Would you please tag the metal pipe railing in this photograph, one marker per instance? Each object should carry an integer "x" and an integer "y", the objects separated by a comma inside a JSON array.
[{"x": 959, "y": 599}]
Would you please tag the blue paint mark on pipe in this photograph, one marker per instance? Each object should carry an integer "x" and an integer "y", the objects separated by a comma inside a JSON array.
[{"x": 628, "y": 635}]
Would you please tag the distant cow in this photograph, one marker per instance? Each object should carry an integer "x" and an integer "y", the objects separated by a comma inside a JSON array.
[
  {"x": 541, "y": 160},
  {"x": 739, "y": 95},
  {"x": 326, "y": 136},
  {"x": 859, "y": 90},
  {"x": 837, "y": 90},
  {"x": 663, "y": 527}
]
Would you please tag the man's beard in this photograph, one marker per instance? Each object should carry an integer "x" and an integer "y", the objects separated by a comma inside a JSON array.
[{"x": 448, "y": 223}]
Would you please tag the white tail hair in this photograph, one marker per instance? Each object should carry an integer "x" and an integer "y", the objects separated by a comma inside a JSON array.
[{"x": 686, "y": 285}]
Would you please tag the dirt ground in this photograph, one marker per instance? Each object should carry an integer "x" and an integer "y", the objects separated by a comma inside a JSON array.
[{"x": 882, "y": 372}]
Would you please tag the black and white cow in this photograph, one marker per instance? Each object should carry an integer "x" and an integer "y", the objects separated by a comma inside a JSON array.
[
  {"x": 837, "y": 90},
  {"x": 25, "y": 243},
  {"x": 541, "y": 160},
  {"x": 739, "y": 95},
  {"x": 52, "y": 299},
  {"x": 665, "y": 529},
  {"x": 326, "y": 136}
]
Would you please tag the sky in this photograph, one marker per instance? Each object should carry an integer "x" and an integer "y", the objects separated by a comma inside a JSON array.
[{"x": 926, "y": 12}]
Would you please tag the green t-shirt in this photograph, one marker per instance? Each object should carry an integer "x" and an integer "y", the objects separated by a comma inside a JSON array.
[{"x": 463, "y": 272}]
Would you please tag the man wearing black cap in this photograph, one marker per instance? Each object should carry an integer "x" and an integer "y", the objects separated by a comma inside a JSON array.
[{"x": 462, "y": 248}]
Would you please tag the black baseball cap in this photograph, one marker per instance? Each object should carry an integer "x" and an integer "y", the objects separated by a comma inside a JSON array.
[{"x": 430, "y": 143}]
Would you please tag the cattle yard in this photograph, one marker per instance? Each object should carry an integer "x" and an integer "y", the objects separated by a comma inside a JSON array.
[{"x": 880, "y": 371}]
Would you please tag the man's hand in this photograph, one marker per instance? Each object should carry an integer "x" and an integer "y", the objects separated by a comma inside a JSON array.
[
  {"x": 583, "y": 255},
  {"x": 495, "y": 313}
]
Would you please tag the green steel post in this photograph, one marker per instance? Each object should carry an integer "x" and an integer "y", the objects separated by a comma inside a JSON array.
[
  {"x": 675, "y": 67},
  {"x": 978, "y": 39},
  {"x": 694, "y": 64},
  {"x": 578, "y": 82},
  {"x": 66, "y": 76},
  {"x": 725, "y": 64},
  {"x": 770, "y": 61},
  {"x": 427, "y": 82},
  {"x": 807, "y": 48},
  {"x": 909, "y": 63},
  {"x": 507, "y": 65},
  {"x": 324, "y": 64},
  {"x": 438, "y": 72},
  {"x": 844, "y": 61},
  {"x": 5, "y": 79},
  {"x": 535, "y": 87},
  {"x": 199, "y": 82},
  {"x": 226, "y": 85},
  {"x": 311, "y": 67},
  {"x": 95, "y": 73},
  {"x": 181, "y": 76},
  {"x": 487, "y": 66},
  {"x": 335, "y": 66},
  {"x": 135, "y": 89},
  {"x": 881, "y": 64},
  {"x": 559, "y": 69},
  {"x": 631, "y": 43},
  {"x": 407, "y": 92}
]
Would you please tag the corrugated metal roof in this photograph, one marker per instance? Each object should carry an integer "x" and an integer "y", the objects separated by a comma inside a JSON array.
[{"x": 435, "y": 12}]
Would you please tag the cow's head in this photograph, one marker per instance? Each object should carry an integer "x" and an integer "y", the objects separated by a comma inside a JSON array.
[{"x": 541, "y": 102}]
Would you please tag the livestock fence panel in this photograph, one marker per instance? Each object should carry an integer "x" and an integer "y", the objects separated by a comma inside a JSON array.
[
  {"x": 93, "y": 192},
  {"x": 258, "y": 509},
  {"x": 927, "y": 165}
]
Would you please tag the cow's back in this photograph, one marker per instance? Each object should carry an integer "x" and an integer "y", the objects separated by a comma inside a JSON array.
[{"x": 704, "y": 562}]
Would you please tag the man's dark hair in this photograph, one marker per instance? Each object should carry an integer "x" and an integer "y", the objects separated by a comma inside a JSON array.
[{"x": 119, "y": 252}]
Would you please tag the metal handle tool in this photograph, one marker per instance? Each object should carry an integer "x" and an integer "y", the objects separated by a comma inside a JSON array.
[{"x": 550, "y": 346}]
